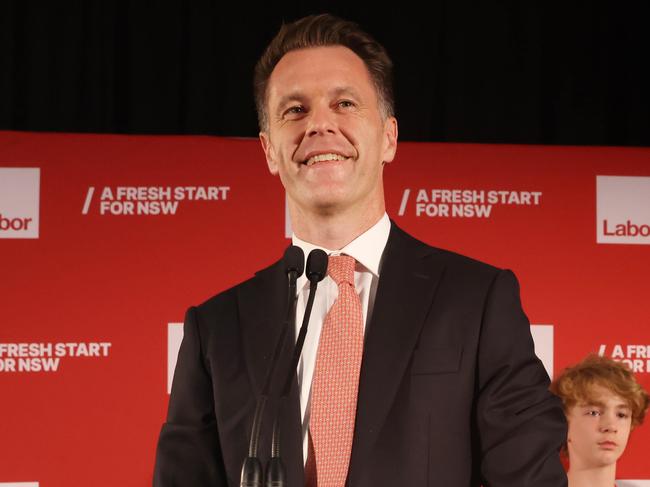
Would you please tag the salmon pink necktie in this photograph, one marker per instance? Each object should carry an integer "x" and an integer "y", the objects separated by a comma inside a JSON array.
[{"x": 336, "y": 381}]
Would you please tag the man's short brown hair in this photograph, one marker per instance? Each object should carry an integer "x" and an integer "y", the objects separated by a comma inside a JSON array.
[
  {"x": 318, "y": 31},
  {"x": 575, "y": 385}
]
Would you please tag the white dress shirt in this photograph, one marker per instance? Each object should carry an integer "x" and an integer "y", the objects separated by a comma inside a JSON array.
[{"x": 367, "y": 249}]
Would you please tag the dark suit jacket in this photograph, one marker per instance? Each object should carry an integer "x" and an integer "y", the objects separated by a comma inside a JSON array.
[{"x": 451, "y": 393}]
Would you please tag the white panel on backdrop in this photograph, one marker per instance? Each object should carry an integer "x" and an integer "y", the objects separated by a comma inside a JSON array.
[
  {"x": 174, "y": 339},
  {"x": 623, "y": 210},
  {"x": 19, "y": 202},
  {"x": 543, "y": 338},
  {"x": 18, "y": 484},
  {"x": 633, "y": 483},
  {"x": 287, "y": 220}
]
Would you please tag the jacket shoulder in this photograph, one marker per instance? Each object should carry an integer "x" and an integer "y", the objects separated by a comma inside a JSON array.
[
  {"x": 453, "y": 261},
  {"x": 226, "y": 300}
]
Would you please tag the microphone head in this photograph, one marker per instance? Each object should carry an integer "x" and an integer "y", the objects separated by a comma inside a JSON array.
[
  {"x": 294, "y": 260},
  {"x": 316, "y": 265}
]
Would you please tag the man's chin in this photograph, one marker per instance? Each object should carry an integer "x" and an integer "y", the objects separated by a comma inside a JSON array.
[{"x": 323, "y": 204}]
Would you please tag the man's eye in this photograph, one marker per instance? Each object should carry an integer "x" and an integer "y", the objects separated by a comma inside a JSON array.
[
  {"x": 622, "y": 415},
  {"x": 295, "y": 109},
  {"x": 346, "y": 103},
  {"x": 593, "y": 412}
]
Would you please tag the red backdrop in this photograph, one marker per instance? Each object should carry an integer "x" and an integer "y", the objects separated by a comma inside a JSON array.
[{"x": 90, "y": 291}]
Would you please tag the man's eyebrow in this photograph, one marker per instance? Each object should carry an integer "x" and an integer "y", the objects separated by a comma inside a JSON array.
[
  {"x": 293, "y": 96},
  {"x": 342, "y": 90},
  {"x": 299, "y": 96}
]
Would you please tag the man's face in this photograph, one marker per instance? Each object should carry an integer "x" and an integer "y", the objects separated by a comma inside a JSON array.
[
  {"x": 598, "y": 430},
  {"x": 326, "y": 137}
]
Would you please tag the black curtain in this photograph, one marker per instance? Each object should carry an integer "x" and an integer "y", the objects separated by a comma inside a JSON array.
[{"x": 507, "y": 72}]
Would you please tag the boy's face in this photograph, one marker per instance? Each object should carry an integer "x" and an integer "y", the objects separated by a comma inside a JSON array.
[{"x": 598, "y": 429}]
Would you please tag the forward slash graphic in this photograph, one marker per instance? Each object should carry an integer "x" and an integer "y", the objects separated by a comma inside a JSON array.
[
  {"x": 89, "y": 198},
  {"x": 402, "y": 206}
]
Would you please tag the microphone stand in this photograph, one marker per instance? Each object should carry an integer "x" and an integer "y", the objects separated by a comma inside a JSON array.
[
  {"x": 251, "y": 474},
  {"x": 316, "y": 272}
]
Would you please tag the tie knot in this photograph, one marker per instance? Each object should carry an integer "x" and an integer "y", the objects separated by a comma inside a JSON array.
[{"x": 341, "y": 269}]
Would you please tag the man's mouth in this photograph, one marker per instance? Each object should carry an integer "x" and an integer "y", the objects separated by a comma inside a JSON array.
[{"x": 324, "y": 158}]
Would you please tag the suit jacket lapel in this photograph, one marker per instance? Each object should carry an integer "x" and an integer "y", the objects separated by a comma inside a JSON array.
[
  {"x": 409, "y": 276},
  {"x": 262, "y": 308}
]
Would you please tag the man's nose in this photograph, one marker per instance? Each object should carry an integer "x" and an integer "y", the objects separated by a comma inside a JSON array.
[{"x": 321, "y": 121}]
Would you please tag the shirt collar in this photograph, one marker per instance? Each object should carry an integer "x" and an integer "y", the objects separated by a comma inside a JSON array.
[{"x": 367, "y": 248}]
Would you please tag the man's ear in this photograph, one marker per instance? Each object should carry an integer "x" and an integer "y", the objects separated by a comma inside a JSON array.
[
  {"x": 269, "y": 152},
  {"x": 389, "y": 144}
]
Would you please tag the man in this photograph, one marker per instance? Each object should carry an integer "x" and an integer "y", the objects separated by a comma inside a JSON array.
[{"x": 441, "y": 378}]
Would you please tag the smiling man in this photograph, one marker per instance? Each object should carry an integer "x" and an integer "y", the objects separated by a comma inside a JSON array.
[
  {"x": 328, "y": 137},
  {"x": 418, "y": 367}
]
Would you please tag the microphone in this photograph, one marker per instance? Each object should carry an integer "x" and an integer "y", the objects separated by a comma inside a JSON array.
[
  {"x": 316, "y": 272},
  {"x": 294, "y": 263}
]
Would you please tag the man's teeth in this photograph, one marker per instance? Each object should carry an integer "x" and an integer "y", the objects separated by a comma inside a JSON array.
[{"x": 324, "y": 157}]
